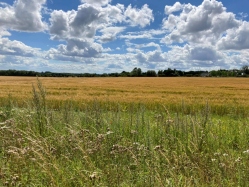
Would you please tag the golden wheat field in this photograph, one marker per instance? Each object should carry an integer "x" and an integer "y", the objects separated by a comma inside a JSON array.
[{"x": 215, "y": 91}]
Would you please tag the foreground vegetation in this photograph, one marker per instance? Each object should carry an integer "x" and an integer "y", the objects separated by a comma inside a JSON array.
[{"x": 120, "y": 144}]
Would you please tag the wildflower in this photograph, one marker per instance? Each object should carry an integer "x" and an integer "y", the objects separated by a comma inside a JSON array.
[
  {"x": 15, "y": 177},
  {"x": 246, "y": 152},
  {"x": 216, "y": 154},
  {"x": 100, "y": 136},
  {"x": 225, "y": 154},
  {"x": 109, "y": 132},
  {"x": 93, "y": 176},
  {"x": 222, "y": 165},
  {"x": 238, "y": 159},
  {"x": 158, "y": 147},
  {"x": 213, "y": 159}
]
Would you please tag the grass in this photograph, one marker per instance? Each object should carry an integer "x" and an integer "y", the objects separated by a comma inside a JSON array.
[{"x": 108, "y": 143}]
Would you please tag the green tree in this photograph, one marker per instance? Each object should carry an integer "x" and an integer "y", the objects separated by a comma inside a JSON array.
[
  {"x": 151, "y": 73},
  {"x": 136, "y": 72},
  {"x": 245, "y": 69}
]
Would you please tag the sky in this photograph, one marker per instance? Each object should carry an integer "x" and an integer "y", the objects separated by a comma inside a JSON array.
[{"x": 104, "y": 36}]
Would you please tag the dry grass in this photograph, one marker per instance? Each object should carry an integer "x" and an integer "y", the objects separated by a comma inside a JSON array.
[{"x": 217, "y": 92}]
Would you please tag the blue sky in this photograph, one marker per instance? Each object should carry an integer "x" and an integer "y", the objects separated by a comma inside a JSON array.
[{"x": 102, "y": 36}]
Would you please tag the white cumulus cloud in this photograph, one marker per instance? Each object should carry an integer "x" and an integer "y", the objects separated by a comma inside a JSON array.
[
  {"x": 205, "y": 23},
  {"x": 97, "y": 2},
  {"x": 16, "y": 48},
  {"x": 236, "y": 39},
  {"x": 110, "y": 33},
  {"x": 23, "y": 15},
  {"x": 141, "y": 17},
  {"x": 170, "y": 9}
]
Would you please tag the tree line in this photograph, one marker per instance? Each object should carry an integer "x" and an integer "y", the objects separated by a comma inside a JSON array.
[{"x": 136, "y": 72}]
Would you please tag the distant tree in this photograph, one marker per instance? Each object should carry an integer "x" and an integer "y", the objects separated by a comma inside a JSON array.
[
  {"x": 169, "y": 72},
  {"x": 179, "y": 73},
  {"x": 213, "y": 73},
  {"x": 136, "y": 72},
  {"x": 160, "y": 73},
  {"x": 151, "y": 73},
  {"x": 245, "y": 69},
  {"x": 113, "y": 74},
  {"x": 125, "y": 74},
  {"x": 104, "y": 75}
]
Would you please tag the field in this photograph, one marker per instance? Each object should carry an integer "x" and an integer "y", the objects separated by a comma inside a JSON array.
[
  {"x": 124, "y": 131},
  {"x": 222, "y": 94}
]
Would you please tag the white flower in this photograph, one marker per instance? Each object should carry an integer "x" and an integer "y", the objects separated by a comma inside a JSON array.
[
  {"x": 238, "y": 159},
  {"x": 246, "y": 152}
]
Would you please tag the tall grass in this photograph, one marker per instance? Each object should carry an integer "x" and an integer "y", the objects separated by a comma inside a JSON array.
[
  {"x": 40, "y": 106},
  {"x": 110, "y": 144}
]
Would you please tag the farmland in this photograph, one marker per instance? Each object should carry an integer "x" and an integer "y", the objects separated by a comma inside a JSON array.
[
  {"x": 124, "y": 131},
  {"x": 220, "y": 93}
]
